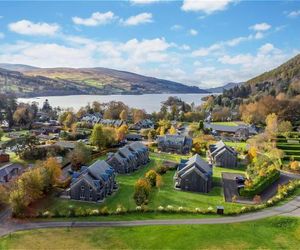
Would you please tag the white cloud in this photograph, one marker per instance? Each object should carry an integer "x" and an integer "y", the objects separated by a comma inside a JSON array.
[
  {"x": 138, "y": 19},
  {"x": 294, "y": 13},
  {"x": 206, "y": 6},
  {"x": 26, "y": 27},
  {"x": 260, "y": 27},
  {"x": 176, "y": 27},
  {"x": 143, "y": 1},
  {"x": 193, "y": 32},
  {"x": 95, "y": 19}
]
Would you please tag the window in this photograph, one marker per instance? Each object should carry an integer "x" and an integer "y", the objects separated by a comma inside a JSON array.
[{"x": 82, "y": 188}]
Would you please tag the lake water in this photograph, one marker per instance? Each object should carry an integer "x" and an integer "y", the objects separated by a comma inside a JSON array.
[{"x": 148, "y": 102}]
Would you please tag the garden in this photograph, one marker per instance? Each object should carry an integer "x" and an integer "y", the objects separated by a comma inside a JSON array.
[{"x": 163, "y": 198}]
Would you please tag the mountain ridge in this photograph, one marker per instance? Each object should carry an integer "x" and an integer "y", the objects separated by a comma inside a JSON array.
[{"x": 28, "y": 81}]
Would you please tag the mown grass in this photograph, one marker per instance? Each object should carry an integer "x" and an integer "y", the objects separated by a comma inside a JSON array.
[
  {"x": 271, "y": 233},
  {"x": 232, "y": 124}
]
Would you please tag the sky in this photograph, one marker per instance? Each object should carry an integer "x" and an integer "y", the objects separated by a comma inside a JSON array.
[{"x": 205, "y": 43}]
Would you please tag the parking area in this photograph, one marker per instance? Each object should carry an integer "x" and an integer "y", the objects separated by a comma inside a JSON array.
[{"x": 230, "y": 187}]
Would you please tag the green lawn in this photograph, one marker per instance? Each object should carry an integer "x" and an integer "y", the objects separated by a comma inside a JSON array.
[
  {"x": 271, "y": 233},
  {"x": 233, "y": 124},
  {"x": 237, "y": 145},
  {"x": 164, "y": 196}
]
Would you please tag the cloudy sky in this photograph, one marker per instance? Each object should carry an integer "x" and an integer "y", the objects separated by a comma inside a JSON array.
[{"x": 203, "y": 42}]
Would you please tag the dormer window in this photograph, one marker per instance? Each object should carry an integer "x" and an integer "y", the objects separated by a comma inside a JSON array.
[{"x": 82, "y": 188}]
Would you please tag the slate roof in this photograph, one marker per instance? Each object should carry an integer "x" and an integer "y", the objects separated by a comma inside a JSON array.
[
  {"x": 196, "y": 162},
  {"x": 7, "y": 168},
  {"x": 219, "y": 148},
  {"x": 229, "y": 129},
  {"x": 174, "y": 140}
]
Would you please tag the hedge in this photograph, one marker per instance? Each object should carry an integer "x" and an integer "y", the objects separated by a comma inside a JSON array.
[{"x": 261, "y": 186}]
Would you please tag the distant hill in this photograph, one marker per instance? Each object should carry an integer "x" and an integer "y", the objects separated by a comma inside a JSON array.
[
  {"x": 283, "y": 79},
  {"x": 227, "y": 86},
  {"x": 24, "y": 81}
]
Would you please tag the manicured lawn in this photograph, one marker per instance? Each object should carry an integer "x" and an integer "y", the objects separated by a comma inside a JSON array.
[
  {"x": 164, "y": 196},
  {"x": 233, "y": 124},
  {"x": 271, "y": 233},
  {"x": 237, "y": 145}
]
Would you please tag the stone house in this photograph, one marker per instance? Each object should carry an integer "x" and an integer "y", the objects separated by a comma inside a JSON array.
[
  {"x": 194, "y": 175},
  {"x": 175, "y": 144},
  {"x": 129, "y": 158},
  {"x": 93, "y": 183},
  {"x": 222, "y": 155}
]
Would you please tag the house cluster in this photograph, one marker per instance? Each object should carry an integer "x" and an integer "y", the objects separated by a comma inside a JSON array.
[
  {"x": 129, "y": 158},
  {"x": 194, "y": 175},
  {"x": 239, "y": 132},
  {"x": 93, "y": 183},
  {"x": 98, "y": 119},
  {"x": 222, "y": 155},
  {"x": 97, "y": 181},
  {"x": 175, "y": 144},
  {"x": 143, "y": 124}
]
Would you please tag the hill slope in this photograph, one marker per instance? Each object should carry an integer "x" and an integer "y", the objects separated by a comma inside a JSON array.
[
  {"x": 64, "y": 81},
  {"x": 227, "y": 86},
  {"x": 283, "y": 79}
]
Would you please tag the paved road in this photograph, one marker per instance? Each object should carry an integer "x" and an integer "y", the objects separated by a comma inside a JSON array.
[{"x": 291, "y": 208}]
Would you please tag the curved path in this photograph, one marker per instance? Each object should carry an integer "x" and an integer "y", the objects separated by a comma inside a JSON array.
[{"x": 292, "y": 208}]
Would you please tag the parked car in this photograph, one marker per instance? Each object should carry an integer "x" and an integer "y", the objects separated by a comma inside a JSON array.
[{"x": 240, "y": 180}]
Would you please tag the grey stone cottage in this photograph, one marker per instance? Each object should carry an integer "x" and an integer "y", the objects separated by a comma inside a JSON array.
[
  {"x": 129, "y": 158},
  {"x": 194, "y": 175},
  {"x": 9, "y": 171},
  {"x": 93, "y": 183},
  {"x": 222, "y": 155},
  {"x": 175, "y": 144}
]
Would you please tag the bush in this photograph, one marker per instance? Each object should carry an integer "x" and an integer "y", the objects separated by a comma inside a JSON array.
[
  {"x": 141, "y": 191},
  {"x": 161, "y": 169},
  {"x": 151, "y": 176},
  {"x": 261, "y": 185}
]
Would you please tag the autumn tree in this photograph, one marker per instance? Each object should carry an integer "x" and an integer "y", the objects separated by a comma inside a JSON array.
[
  {"x": 53, "y": 172},
  {"x": 272, "y": 125},
  {"x": 172, "y": 130},
  {"x": 294, "y": 165},
  {"x": 124, "y": 115},
  {"x": 142, "y": 190},
  {"x": 97, "y": 137},
  {"x": 151, "y": 176},
  {"x": 138, "y": 115},
  {"x": 121, "y": 132},
  {"x": 80, "y": 155},
  {"x": 285, "y": 127}
]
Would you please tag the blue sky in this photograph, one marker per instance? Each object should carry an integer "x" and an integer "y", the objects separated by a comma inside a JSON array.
[{"x": 204, "y": 42}]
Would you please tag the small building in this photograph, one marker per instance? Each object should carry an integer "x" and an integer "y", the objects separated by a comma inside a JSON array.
[
  {"x": 133, "y": 137},
  {"x": 92, "y": 118},
  {"x": 222, "y": 155},
  {"x": 93, "y": 183},
  {"x": 129, "y": 158},
  {"x": 9, "y": 171},
  {"x": 194, "y": 175},
  {"x": 242, "y": 134},
  {"x": 4, "y": 157},
  {"x": 143, "y": 124},
  {"x": 175, "y": 144}
]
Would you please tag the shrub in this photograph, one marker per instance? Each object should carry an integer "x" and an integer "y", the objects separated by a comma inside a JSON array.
[
  {"x": 295, "y": 166},
  {"x": 161, "y": 169},
  {"x": 141, "y": 191},
  {"x": 151, "y": 176},
  {"x": 257, "y": 188}
]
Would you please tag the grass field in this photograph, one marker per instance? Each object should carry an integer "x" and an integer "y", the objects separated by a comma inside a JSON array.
[
  {"x": 233, "y": 124},
  {"x": 271, "y": 233},
  {"x": 166, "y": 195},
  {"x": 237, "y": 145}
]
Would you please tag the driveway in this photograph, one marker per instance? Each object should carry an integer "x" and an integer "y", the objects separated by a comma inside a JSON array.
[{"x": 230, "y": 187}]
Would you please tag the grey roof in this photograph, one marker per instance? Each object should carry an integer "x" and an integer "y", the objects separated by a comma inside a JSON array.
[
  {"x": 98, "y": 168},
  {"x": 7, "y": 168},
  {"x": 137, "y": 146},
  {"x": 220, "y": 147},
  {"x": 199, "y": 163},
  {"x": 65, "y": 144},
  {"x": 125, "y": 152},
  {"x": 175, "y": 140},
  {"x": 229, "y": 129},
  {"x": 194, "y": 169}
]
